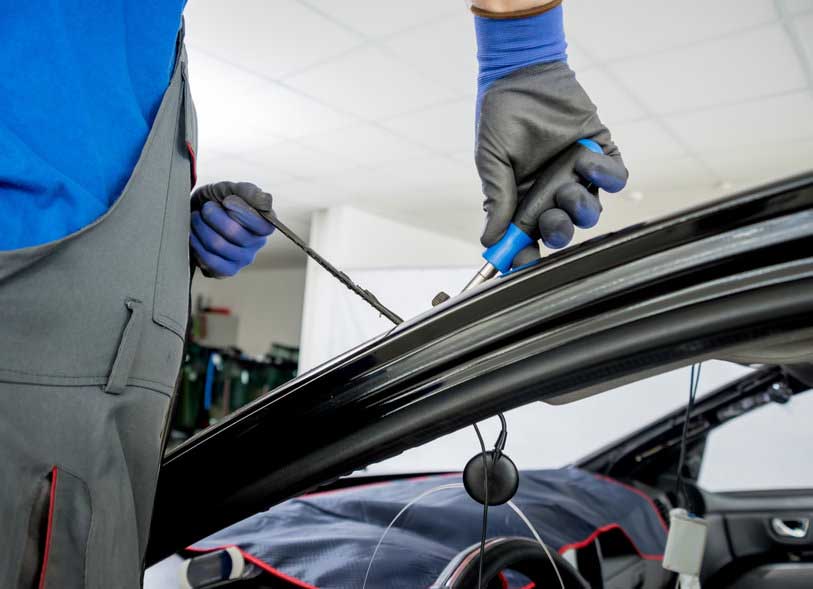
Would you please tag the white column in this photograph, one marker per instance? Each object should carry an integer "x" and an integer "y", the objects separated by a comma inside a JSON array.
[{"x": 403, "y": 265}]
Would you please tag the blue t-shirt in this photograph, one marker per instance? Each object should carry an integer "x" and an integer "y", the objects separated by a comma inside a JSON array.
[{"x": 80, "y": 84}]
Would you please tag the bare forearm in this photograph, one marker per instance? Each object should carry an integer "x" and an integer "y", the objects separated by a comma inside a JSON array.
[{"x": 499, "y": 6}]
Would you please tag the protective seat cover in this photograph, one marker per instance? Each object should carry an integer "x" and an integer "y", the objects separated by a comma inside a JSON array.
[{"x": 326, "y": 540}]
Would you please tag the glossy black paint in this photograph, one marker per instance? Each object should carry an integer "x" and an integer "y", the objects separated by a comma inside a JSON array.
[{"x": 476, "y": 355}]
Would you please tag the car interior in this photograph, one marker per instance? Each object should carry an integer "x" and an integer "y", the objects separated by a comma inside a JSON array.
[{"x": 758, "y": 535}]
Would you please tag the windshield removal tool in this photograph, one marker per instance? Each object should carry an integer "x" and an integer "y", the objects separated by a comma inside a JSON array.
[
  {"x": 267, "y": 213},
  {"x": 262, "y": 207},
  {"x": 517, "y": 237},
  {"x": 365, "y": 294}
]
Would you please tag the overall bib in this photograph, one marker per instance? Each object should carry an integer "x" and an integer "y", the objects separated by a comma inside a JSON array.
[{"x": 91, "y": 341}]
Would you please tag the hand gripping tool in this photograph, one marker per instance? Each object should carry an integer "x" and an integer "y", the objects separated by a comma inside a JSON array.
[{"x": 518, "y": 236}]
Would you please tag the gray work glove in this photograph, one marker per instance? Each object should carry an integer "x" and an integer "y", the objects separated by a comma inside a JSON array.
[
  {"x": 227, "y": 230},
  {"x": 527, "y": 129}
]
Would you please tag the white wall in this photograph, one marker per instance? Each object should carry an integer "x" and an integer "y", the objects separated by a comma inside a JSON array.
[
  {"x": 769, "y": 448},
  {"x": 403, "y": 265},
  {"x": 268, "y": 303}
]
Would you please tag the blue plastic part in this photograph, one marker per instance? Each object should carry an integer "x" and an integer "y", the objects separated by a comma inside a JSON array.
[
  {"x": 591, "y": 145},
  {"x": 210, "y": 381},
  {"x": 523, "y": 267},
  {"x": 501, "y": 254}
]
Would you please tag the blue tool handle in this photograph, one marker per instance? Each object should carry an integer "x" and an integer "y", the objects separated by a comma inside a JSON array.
[
  {"x": 591, "y": 145},
  {"x": 517, "y": 237}
]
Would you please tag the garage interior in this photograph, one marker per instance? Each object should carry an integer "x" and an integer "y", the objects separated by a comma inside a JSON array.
[
  {"x": 360, "y": 118},
  {"x": 364, "y": 137}
]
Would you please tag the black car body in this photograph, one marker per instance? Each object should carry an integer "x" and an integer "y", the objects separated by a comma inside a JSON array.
[{"x": 733, "y": 279}]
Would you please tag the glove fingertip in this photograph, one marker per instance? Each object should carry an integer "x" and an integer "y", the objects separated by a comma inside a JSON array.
[
  {"x": 556, "y": 228},
  {"x": 602, "y": 171},
  {"x": 209, "y": 206}
]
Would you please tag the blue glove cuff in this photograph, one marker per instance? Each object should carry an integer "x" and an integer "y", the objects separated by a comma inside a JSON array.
[{"x": 506, "y": 45}]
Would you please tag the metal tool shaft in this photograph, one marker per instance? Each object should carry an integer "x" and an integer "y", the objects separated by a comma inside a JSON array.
[
  {"x": 487, "y": 272},
  {"x": 365, "y": 294}
]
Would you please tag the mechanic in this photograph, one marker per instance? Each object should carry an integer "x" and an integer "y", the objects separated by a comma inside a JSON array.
[{"x": 98, "y": 139}]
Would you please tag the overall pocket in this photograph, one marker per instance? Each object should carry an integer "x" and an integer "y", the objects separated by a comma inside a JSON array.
[
  {"x": 128, "y": 346},
  {"x": 58, "y": 528}
]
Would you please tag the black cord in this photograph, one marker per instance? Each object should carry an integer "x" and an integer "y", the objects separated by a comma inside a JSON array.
[
  {"x": 694, "y": 382},
  {"x": 499, "y": 445},
  {"x": 485, "y": 503}
]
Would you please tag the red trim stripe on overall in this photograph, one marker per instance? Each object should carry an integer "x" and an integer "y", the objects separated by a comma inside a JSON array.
[{"x": 49, "y": 529}]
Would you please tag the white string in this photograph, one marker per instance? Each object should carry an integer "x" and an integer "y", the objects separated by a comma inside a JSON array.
[
  {"x": 446, "y": 487},
  {"x": 399, "y": 514},
  {"x": 528, "y": 523}
]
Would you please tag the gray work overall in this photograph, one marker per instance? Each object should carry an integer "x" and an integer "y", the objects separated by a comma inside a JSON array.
[{"x": 91, "y": 341}]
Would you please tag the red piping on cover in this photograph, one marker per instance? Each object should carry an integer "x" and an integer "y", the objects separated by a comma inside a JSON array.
[
  {"x": 194, "y": 162},
  {"x": 260, "y": 563},
  {"x": 638, "y": 492}
]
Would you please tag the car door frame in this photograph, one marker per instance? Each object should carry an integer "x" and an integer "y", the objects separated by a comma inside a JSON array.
[{"x": 609, "y": 311}]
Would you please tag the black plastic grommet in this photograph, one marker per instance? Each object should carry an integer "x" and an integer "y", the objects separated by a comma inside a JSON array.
[{"x": 503, "y": 478}]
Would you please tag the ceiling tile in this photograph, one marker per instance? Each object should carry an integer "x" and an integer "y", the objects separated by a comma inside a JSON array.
[
  {"x": 643, "y": 140},
  {"x": 758, "y": 63},
  {"x": 370, "y": 84},
  {"x": 466, "y": 158},
  {"x": 611, "y": 30},
  {"x": 461, "y": 222},
  {"x": 804, "y": 30},
  {"x": 615, "y": 105},
  {"x": 285, "y": 95},
  {"x": 444, "y": 50},
  {"x": 257, "y": 116},
  {"x": 259, "y": 35},
  {"x": 677, "y": 173},
  {"x": 448, "y": 128},
  {"x": 214, "y": 166},
  {"x": 223, "y": 116},
  {"x": 577, "y": 57},
  {"x": 744, "y": 167},
  {"x": 752, "y": 124},
  {"x": 302, "y": 197},
  {"x": 796, "y": 6},
  {"x": 290, "y": 114},
  {"x": 299, "y": 161},
  {"x": 377, "y": 19},
  {"x": 426, "y": 183},
  {"x": 365, "y": 144}
]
